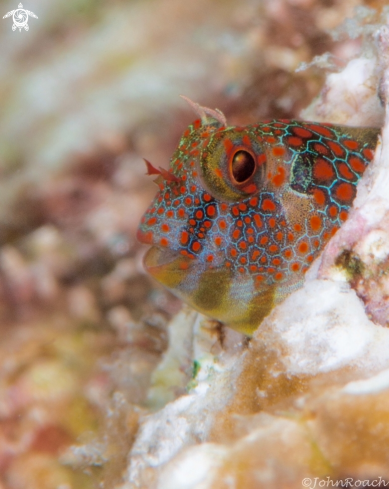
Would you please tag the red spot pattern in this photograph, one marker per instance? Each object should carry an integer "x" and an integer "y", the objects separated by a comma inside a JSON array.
[{"x": 262, "y": 235}]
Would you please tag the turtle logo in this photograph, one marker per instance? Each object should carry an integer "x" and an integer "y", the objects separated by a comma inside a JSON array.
[{"x": 20, "y": 18}]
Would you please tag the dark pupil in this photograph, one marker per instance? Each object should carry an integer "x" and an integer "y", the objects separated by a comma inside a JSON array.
[{"x": 243, "y": 166}]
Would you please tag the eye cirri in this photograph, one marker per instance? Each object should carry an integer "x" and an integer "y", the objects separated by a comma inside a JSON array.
[{"x": 242, "y": 212}]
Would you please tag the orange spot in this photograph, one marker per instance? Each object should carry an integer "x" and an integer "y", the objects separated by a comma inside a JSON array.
[
  {"x": 356, "y": 164},
  {"x": 270, "y": 139},
  {"x": 218, "y": 241},
  {"x": 242, "y": 245},
  {"x": 192, "y": 222},
  {"x": 368, "y": 153},
  {"x": 322, "y": 170},
  {"x": 210, "y": 258},
  {"x": 169, "y": 213},
  {"x": 243, "y": 260},
  {"x": 211, "y": 210},
  {"x": 199, "y": 214},
  {"x": 272, "y": 222},
  {"x": 151, "y": 221},
  {"x": 264, "y": 240},
  {"x": 336, "y": 148},
  {"x": 254, "y": 201},
  {"x": 303, "y": 247},
  {"x": 321, "y": 130},
  {"x": 294, "y": 141},
  {"x": 253, "y": 268},
  {"x": 228, "y": 144},
  {"x": 300, "y": 131},
  {"x": 207, "y": 197},
  {"x": 271, "y": 270},
  {"x": 258, "y": 220},
  {"x": 278, "y": 276},
  {"x": 246, "y": 140},
  {"x": 263, "y": 259},
  {"x": 288, "y": 253},
  {"x": 333, "y": 211},
  {"x": 345, "y": 171},
  {"x": 334, "y": 230},
  {"x": 297, "y": 227},
  {"x": 316, "y": 243},
  {"x": 279, "y": 236},
  {"x": 250, "y": 189},
  {"x": 290, "y": 236},
  {"x": 261, "y": 159},
  {"x": 255, "y": 254},
  {"x": 184, "y": 265},
  {"x": 259, "y": 278},
  {"x": 278, "y": 151},
  {"x": 181, "y": 212},
  {"x": 320, "y": 148},
  {"x": 242, "y": 207},
  {"x": 219, "y": 172},
  {"x": 235, "y": 211},
  {"x": 273, "y": 248},
  {"x": 251, "y": 239},
  {"x": 207, "y": 224},
  {"x": 295, "y": 267},
  {"x": 345, "y": 192},
  {"x": 319, "y": 196},
  {"x": 268, "y": 205},
  {"x": 164, "y": 242},
  {"x": 184, "y": 237},
  {"x": 233, "y": 252},
  {"x": 343, "y": 215},
  {"x": 242, "y": 270},
  {"x": 193, "y": 188},
  {"x": 276, "y": 261},
  {"x": 222, "y": 224},
  {"x": 224, "y": 206},
  {"x": 188, "y": 201},
  {"x": 315, "y": 222},
  {"x": 196, "y": 246},
  {"x": 351, "y": 144},
  {"x": 279, "y": 179},
  {"x": 309, "y": 258}
]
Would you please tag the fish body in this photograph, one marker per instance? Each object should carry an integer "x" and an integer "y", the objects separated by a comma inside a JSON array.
[{"x": 246, "y": 210}]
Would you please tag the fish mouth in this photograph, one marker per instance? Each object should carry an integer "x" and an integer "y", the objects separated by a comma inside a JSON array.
[
  {"x": 157, "y": 257},
  {"x": 144, "y": 237},
  {"x": 168, "y": 267}
]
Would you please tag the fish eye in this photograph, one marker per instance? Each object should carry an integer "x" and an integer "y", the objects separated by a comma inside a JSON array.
[
  {"x": 242, "y": 166},
  {"x": 232, "y": 166}
]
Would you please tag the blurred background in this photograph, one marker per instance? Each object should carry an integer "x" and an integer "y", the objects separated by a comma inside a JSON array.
[{"x": 87, "y": 92}]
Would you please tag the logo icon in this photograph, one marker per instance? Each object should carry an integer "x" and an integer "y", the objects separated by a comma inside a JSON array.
[{"x": 20, "y": 18}]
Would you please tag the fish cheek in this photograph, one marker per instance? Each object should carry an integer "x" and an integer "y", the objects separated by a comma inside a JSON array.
[
  {"x": 213, "y": 289},
  {"x": 257, "y": 309}
]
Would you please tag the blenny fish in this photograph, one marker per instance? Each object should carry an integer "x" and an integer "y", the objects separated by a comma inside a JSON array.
[{"x": 242, "y": 212}]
